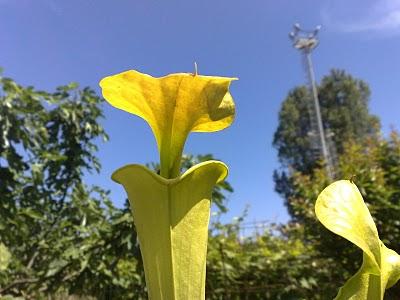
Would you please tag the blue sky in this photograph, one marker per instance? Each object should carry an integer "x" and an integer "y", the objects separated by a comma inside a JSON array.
[{"x": 46, "y": 43}]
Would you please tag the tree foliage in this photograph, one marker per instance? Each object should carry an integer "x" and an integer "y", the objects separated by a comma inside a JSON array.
[
  {"x": 344, "y": 111},
  {"x": 345, "y": 114},
  {"x": 62, "y": 234},
  {"x": 273, "y": 264},
  {"x": 49, "y": 219}
]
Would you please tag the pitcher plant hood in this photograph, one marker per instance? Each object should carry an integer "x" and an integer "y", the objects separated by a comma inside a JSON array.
[{"x": 173, "y": 106}]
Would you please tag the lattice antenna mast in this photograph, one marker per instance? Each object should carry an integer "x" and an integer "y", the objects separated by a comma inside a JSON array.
[{"x": 306, "y": 41}]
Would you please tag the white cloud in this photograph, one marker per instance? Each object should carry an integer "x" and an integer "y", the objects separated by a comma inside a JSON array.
[{"x": 379, "y": 16}]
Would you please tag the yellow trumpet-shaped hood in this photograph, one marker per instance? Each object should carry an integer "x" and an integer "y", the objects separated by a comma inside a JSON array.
[{"x": 173, "y": 106}]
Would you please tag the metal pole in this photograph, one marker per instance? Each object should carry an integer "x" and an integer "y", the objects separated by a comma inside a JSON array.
[{"x": 325, "y": 151}]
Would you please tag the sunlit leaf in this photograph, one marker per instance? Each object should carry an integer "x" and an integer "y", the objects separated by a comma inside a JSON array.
[
  {"x": 5, "y": 257},
  {"x": 341, "y": 208}
]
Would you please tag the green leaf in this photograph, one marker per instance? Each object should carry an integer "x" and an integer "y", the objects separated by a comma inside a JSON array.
[
  {"x": 5, "y": 257},
  {"x": 30, "y": 212},
  {"x": 341, "y": 208}
]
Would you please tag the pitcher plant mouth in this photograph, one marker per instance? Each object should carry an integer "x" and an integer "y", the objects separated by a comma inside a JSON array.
[
  {"x": 173, "y": 106},
  {"x": 115, "y": 175}
]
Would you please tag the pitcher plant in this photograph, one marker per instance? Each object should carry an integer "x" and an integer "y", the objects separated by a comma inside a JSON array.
[{"x": 171, "y": 211}]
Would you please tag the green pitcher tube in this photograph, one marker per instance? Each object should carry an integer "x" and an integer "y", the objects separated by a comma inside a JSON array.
[{"x": 171, "y": 218}]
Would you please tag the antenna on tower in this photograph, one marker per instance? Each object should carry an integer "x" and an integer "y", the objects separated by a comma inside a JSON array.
[{"x": 306, "y": 41}]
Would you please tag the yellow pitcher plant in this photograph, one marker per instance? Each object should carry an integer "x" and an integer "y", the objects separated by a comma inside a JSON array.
[
  {"x": 341, "y": 209},
  {"x": 171, "y": 211}
]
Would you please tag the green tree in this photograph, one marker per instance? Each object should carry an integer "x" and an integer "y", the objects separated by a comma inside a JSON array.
[
  {"x": 344, "y": 109},
  {"x": 47, "y": 215}
]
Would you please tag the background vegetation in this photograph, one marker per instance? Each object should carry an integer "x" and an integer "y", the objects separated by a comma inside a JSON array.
[{"x": 59, "y": 236}]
